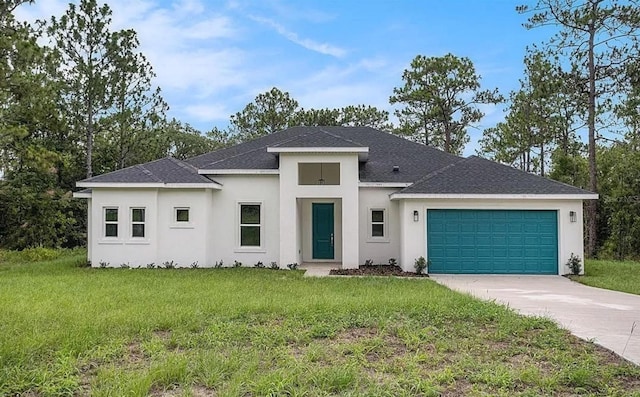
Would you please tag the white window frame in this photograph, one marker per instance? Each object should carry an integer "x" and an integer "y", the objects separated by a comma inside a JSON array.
[
  {"x": 385, "y": 225},
  {"x": 105, "y": 222},
  {"x": 175, "y": 224},
  {"x": 239, "y": 225},
  {"x": 132, "y": 223}
]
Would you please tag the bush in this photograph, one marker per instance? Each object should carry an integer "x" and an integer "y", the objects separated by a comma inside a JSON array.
[
  {"x": 259, "y": 265},
  {"x": 393, "y": 262},
  {"x": 274, "y": 265},
  {"x": 575, "y": 264},
  {"x": 420, "y": 265},
  {"x": 237, "y": 264},
  {"x": 292, "y": 266},
  {"x": 38, "y": 254}
]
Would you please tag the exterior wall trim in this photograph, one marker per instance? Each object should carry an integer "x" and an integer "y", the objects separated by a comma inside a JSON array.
[
  {"x": 384, "y": 184},
  {"x": 238, "y": 172},
  {"x": 212, "y": 185},
  {"x": 399, "y": 196}
]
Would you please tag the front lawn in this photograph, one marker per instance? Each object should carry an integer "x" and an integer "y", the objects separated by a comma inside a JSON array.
[
  {"x": 616, "y": 275},
  {"x": 66, "y": 330}
]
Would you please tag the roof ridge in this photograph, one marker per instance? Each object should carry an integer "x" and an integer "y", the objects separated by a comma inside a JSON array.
[
  {"x": 182, "y": 164},
  {"x": 148, "y": 173},
  {"x": 339, "y": 137},
  {"x": 258, "y": 148},
  {"x": 437, "y": 172},
  {"x": 190, "y": 168}
]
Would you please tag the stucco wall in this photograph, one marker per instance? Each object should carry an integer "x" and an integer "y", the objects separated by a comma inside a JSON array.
[
  {"x": 183, "y": 243},
  {"x": 224, "y": 240},
  {"x": 124, "y": 249},
  {"x": 379, "y": 250},
  {"x": 570, "y": 234},
  {"x": 291, "y": 246}
]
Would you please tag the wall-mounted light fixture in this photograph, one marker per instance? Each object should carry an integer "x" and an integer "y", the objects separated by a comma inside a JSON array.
[
  {"x": 416, "y": 216},
  {"x": 572, "y": 216}
]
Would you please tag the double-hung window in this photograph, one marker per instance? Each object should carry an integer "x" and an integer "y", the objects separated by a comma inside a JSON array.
[
  {"x": 378, "y": 223},
  {"x": 138, "y": 222},
  {"x": 111, "y": 222},
  {"x": 250, "y": 225}
]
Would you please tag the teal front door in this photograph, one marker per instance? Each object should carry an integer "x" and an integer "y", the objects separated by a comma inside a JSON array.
[{"x": 322, "y": 230}]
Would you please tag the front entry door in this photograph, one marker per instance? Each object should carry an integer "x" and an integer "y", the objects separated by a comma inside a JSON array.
[{"x": 323, "y": 238}]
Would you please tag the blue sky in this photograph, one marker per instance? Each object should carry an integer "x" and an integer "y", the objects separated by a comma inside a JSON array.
[{"x": 213, "y": 57}]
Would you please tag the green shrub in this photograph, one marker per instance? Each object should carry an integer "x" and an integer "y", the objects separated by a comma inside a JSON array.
[
  {"x": 420, "y": 265},
  {"x": 575, "y": 264},
  {"x": 38, "y": 254}
]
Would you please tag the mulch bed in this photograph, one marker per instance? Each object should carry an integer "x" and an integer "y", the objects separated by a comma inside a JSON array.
[{"x": 375, "y": 270}]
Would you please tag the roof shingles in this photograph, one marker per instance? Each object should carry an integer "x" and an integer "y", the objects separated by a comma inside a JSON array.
[
  {"x": 475, "y": 175},
  {"x": 165, "y": 170},
  {"x": 431, "y": 171}
]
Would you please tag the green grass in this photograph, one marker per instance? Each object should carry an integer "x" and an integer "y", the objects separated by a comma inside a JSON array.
[
  {"x": 615, "y": 275},
  {"x": 66, "y": 330}
]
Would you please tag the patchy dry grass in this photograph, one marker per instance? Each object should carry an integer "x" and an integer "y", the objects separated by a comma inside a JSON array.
[
  {"x": 67, "y": 330},
  {"x": 616, "y": 275}
]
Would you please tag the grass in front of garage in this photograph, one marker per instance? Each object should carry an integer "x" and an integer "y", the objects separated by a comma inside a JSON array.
[
  {"x": 68, "y": 330},
  {"x": 621, "y": 276}
]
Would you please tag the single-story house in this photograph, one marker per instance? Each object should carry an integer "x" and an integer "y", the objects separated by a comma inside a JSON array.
[{"x": 341, "y": 195}]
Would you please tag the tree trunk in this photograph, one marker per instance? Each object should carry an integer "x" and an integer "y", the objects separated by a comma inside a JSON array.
[
  {"x": 89, "y": 139},
  {"x": 541, "y": 158},
  {"x": 591, "y": 121}
]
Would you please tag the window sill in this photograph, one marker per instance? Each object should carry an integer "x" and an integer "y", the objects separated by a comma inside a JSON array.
[
  {"x": 256, "y": 250},
  {"x": 138, "y": 242},
  {"x": 110, "y": 242},
  {"x": 179, "y": 226},
  {"x": 378, "y": 240}
]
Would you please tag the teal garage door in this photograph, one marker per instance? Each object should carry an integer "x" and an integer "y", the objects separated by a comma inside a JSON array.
[{"x": 492, "y": 241}]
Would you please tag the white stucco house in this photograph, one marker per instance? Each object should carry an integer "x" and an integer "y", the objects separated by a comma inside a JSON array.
[{"x": 337, "y": 195}]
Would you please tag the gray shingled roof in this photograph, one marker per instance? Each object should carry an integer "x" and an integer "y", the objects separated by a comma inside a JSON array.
[
  {"x": 165, "y": 170},
  {"x": 475, "y": 175},
  {"x": 432, "y": 170},
  {"x": 385, "y": 151},
  {"x": 319, "y": 138}
]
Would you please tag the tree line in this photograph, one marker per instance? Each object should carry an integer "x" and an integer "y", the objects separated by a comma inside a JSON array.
[{"x": 84, "y": 104}]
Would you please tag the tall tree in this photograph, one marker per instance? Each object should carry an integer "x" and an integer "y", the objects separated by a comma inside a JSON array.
[
  {"x": 35, "y": 202},
  {"x": 275, "y": 110},
  {"x": 270, "y": 111},
  {"x": 536, "y": 120},
  {"x": 598, "y": 38},
  {"x": 441, "y": 97},
  {"x": 82, "y": 40},
  {"x": 136, "y": 107},
  {"x": 352, "y": 115}
]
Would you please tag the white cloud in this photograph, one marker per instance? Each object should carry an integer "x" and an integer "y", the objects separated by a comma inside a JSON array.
[
  {"x": 207, "y": 112},
  {"x": 322, "y": 48}
]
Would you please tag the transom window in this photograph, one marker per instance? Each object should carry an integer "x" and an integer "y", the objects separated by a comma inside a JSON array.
[
  {"x": 138, "y": 222},
  {"x": 318, "y": 173},
  {"x": 250, "y": 225},
  {"x": 377, "y": 223},
  {"x": 182, "y": 215},
  {"x": 111, "y": 222}
]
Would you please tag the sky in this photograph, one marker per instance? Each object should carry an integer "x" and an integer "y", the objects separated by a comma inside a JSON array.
[{"x": 212, "y": 58}]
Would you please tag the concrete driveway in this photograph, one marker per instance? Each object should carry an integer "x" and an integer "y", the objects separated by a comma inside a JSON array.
[{"x": 608, "y": 318}]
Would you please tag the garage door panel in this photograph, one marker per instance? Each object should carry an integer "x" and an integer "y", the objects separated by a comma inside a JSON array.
[{"x": 492, "y": 241}]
